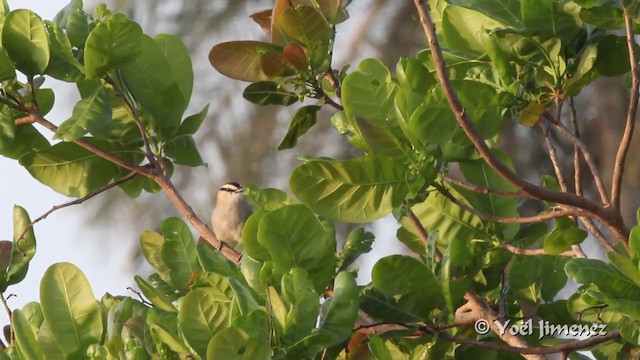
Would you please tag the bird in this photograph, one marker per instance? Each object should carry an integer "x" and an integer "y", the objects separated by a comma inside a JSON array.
[{"x": 230, "y": 213}]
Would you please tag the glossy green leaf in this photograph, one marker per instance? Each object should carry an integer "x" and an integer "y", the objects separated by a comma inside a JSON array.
[
  {"x": 341, "y": 312},
  {"x": 410, "y": 282},
  {"x": 564, "y": 234},
  {"x": 585, "y": 71},
  {"x": 203, "y": 312},
  {"x": 156, "y": 297},
  {"x": 302, "y": 121},
  {"x": 378, "y": 348},
  {"x": 625, "y": 265},
  {"x": 463, "y": 28},
  {"x": 169, "y": 338},
  {"x": 608, "y": 279},
  {"x": 179, "y": 252},
  {"x": 505, "y": 11},
  {"x": 184, "y": 151},
  {"x": 634, "y": 241},
  {"x": 150, "y": 79},
  {"x": 358, "y": 242},
  {"x": 175, "y": 51},
  {"x": 7, "y": 69},
  {"x": 25, "y": 39},
  {"x": 70, "y": 309},
  {"x": 437, "y": 213},
  {"x": 250, "y": 242},
  {"x": 606, "y": 17},
  {"x": 78, "y": 28},
  {"x": 550, "y": 18},
  {"x": 192, "y": 123},
  {"x": 50, "y": 348},
  {"x": 307, "y": 26},
  {"x": 235, "y": 344},
  {"x": 212, "y": 261},
  {"x": 294, "y": 237},
  {"x": 633, "y": 9},
  {"x": 92, "y": 112},
  {"x": 16, "y": 141},
  {"x": 25, "y": 338},
  {"x": 111, "y": 43},
  {"x": 269, "y": 93},
  {"x": 267, "y": 198},
  {"x": 537, "y": 278},
  {"x": 434, "y": 122},
  {"x": 358, "y": 190},
  {"x": 63, "y": 64},
  {"x": 240, "y": 60},
  {"x": 74, "y": 171},
  {"x": 299, "y": 293},
  {"x": 23, "y": 249},
  {"x": 613, "y": 55},
  {"x": 151, "y": 246},
  {"x": 62, "y": 16}
]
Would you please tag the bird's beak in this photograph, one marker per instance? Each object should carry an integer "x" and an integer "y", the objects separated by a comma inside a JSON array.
[{"x": 241, "y": 190}]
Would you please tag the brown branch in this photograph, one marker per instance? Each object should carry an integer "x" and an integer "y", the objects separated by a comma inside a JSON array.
[
  {"x": 163, "y": 181},
  {"x": 577, "y": 173},
  {"x": 597, "y": 234},
  {"x": 473, "y": 301},
  {"x": 539, "y": 350},
  {"x": 508, "y": 220},
  {"x": 488, "y": 191},
  {"x": 535, "y": 252},
  {"x": 78, "y": 201},
  {"x": 612, "y": 218},
  {"x": 585, "y": 154},
  {"x": 553, "y": 155},
  {"x": 625, "y": 142}
]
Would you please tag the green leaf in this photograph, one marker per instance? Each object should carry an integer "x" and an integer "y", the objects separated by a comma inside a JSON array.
[
  {"x": 92, "y": 112},
  {"x": 74, "y": 171},
  {"x": 607, "y": 278},
  {"x": 410, "y": 282},
  {"x": 150, "y": 79},
  {"x": 111, "y": 43},
  {"x": 70, "y": 309},
  {"x": 213, "y": 261},
  {"x": 240, "y": 60},
  {"x": 192, "y": 123},
  {"x": 536, "y": 278},
  {"x": 177, "y": 54},
  {"x": 306, "y": 25},
  {"x": 342, "y": 309},
  {"x": 633, "y": 9},
  {"x": 266, "y": 199},
  {"x": 269, "y": 93},
  {"x": 156, "y": 297},
  {"x": 437, "y": 213},
  {"x": 358, "y": 190},
  {"x": 299, "y": 293},
  {"x": 613, "y": 55},
  {"x": 505, "y": 11},
  {"x": 294, "y": 237},
  {"x": 378, "y": 349},
  {"x": 634, "y": 241},
  {"x": 302, "y": 121},
  {"x": 585, "y": 71},
  {"x": 184, "y": 151},
  {"x": 463, "y": 28},
  {"x": 151, "y": 246},
  {"x": 564, "y": 234},
  {"x": 179, "y": 252},
  {"x": 62, "y": 16},
  {"x": 25, "y": 338},
  {"x": 358, "y": 242},
  {"x": 250, "y": 242},
  {"x": 63, "y": 64},
  {"x": 25, "y": 39},
  {"x": 23, "y": 249},
  {"x": 606, "y": 17},
  {"x": 78, "y": 28},
  {"x": 203, "y": 312},
  {"x": 551, "y": 18},
  {"x": 625, "y": 265},
  {"x": 7, "y": 70},
  {"x": 235, "y": 344}
]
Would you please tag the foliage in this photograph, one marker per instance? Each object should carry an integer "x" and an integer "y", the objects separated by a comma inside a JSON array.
[{"x": 428, "y": 134}]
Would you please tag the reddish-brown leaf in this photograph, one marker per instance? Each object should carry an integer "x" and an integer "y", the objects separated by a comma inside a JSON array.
[
  {"x": 295, "y": 54},
  {"x": 241, "y": 59},
  {"x": 263, "y": 18},
  {"x": 274, "y": 64}
]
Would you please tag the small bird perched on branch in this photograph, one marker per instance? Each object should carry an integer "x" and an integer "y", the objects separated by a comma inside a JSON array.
[{"x": 230, "y": 213}]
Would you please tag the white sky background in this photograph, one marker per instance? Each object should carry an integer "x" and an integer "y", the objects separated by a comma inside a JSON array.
[{"x": 61, "y": 237}]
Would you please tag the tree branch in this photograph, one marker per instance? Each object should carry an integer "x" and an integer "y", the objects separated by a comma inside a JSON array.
[
  {"x": 553, "y": 155},
  {"x": 611, "y": 218},
  {"x": 488, "y": 191},
  {"x": 625, "y": 142},
  {"x": 535, "y": 252}
]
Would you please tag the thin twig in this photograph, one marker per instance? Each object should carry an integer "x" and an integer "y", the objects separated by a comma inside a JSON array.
[
  {"x": 508, "y": 220},
  {"x": 78, "y": 201},
  {"x": 625, "y": 142},
  {"x": 553, "y": 155},
  {"x": 577, "y": 172},
  {"x": 611, "y": 218},
  {"x": 585, "y": 154},
  {"x": 534, "y": 252},
  {"x": 597, "y": 234},
  {"x": 488, "y": 191}
]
